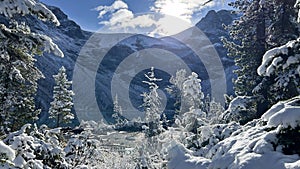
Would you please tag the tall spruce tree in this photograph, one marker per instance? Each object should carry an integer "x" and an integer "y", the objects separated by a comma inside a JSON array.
[
  {"x": 280, "y": 85},
  {"x": 263, "y": 24},
  {"x": 176, "y": 89},
  {"x": 192, "y": 92},
  {"x": 18, "y": 74},
  {"x": 247, "y": 44},
  {"x": 117, "y": 111},
  {"x": 152, "y": 105},
  {"x": 62, "y": 104},
  {"x": 283, "y": 26}
]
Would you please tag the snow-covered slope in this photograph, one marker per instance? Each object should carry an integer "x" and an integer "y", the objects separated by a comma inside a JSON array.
[{"x": 261, "y": 143}]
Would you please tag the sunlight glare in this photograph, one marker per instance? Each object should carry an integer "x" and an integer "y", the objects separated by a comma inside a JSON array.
[{"x": 176, "y": 9}]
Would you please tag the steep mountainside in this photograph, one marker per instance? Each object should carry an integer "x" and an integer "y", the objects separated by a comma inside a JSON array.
[{"x": 71, "y": 39}]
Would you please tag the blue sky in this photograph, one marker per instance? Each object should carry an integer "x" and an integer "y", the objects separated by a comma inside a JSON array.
[
  {"x": 81, "y": 11},
  {"x": 109, "y": 12}
]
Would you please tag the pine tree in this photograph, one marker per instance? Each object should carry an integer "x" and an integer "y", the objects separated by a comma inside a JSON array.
[
  {"x": 215, "y": 110},
  {"x": 61, "y": 106},
  {"x": 176, "y": 88},
  {"x": 192, "y": 104},
  {"x": 117, "y": 111},
  {"x": 18, "y": 83},
  {"x": 152, "y": 104},
  {"x": 281, "y": 72},
  {"x": 18, "y": 74},
  {"x": 192, "y": 93},
  {"x": 283, "y": 27},
  {"x": 263, "y": 24},
  {"x": 247, "y": 43}
]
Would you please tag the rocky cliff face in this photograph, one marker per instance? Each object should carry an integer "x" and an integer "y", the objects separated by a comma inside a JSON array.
[{"x": 71, "y": 39}]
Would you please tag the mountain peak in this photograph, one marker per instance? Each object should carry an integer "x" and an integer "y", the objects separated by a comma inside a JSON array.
[
  {"x": 68, "y": 26},
  {"x": 214, "y": 20},
  {"x": 60, "y": 15}
]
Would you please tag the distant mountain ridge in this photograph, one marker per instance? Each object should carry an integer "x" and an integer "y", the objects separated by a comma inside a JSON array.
[{"x": 71, "y": 38}]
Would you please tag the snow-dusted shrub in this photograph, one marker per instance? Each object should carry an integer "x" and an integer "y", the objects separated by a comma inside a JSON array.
[
  {"x": 214, "y": 111},
  {"x": 193, "y": 119},
  {"x": 35, "y": 148},
  {"x": 210, "y": 135},
  {"x": 267, "y": 142},
  {"x": 286, "y": 116},
  {"x": 99, "y": 127},
  {"x": 241, "y": 109},
  {"x": 81, "y": 150},
  {"x": 151, "y": 155},
  {"x": 288, "y": 138},
  {"x": 50, "y": 150}
]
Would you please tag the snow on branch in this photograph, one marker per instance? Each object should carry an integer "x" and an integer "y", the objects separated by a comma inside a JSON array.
[
  {"x": 282, "y": 57},
  {"x": 11, "y": 7},
  {"x": 49, "y": 45},
  {"x": 297, "y": 5},
  {"x": 285, "y": 113}
]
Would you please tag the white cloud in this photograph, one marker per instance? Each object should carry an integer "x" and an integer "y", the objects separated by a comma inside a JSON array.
[
  {"x": 183, "y": 9},
  {"x": 169, "y": 25},
  {"x": 119, "y": 15},
  {"x": 122, "y": 19},
  {"x": 150, "y": 24},
  {"x": 169, "y": 17},
  {"x": 117, "y": 5}
]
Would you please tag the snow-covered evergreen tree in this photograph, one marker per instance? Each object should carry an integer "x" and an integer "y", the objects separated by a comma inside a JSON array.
[
  {"x": 18, "y": 74},
  {"x": 81, "y": 150},
  {"x": 247, "y": 44},
  {"x": 150, "y": 156},
  {"x": 117, "y": 112},
  {"x": 214, "y": 112},
  {"x": 152, "y": 103},
  {"x": 62, "y": 104},
  {"x": 283, "y": 26},
  {"x": 192, "y": 93},
  {"x": 176, "y": 88},
  {"x": 263, "y": 24},
  {"x": 36, "y": 148},
  {"x": 241, "y": 109},
  {"x": 280, "y": 71}
]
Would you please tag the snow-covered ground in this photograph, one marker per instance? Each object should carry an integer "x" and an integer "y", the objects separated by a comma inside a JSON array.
[{"x": 254, "y": 145}]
